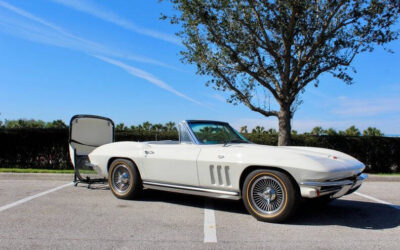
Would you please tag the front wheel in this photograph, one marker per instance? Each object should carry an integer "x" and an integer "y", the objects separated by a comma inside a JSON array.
[
  {"x": 124, "y": 179},
  {"x": 269, "y": 195}
]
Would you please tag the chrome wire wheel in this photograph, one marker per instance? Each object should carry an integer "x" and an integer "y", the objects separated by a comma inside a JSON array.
[
  {"x": 121, "y": 178},
  {"x": 267, "y": 195}
]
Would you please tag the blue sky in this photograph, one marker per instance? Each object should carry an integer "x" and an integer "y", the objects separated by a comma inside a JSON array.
[{"x": 117, "y": 59}]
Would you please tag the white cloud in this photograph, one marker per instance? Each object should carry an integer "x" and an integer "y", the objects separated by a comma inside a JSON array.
[
  {"x": 147, "y": 76},
  {"x": 42, "y": 31},
  {"x": 218, "y": 97},
  {"x": 366, "y": 107},
  {"x": 109, "y": 16},
  {"x": 54, "y": 35}
]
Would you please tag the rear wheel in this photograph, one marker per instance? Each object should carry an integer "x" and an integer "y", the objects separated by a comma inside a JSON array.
[
  {"x": 124, "y": 179},
  {"x": 269, "y": 195}
]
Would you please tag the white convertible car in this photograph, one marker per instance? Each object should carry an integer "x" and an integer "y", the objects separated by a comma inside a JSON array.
[{"x": 213, "y": 159}]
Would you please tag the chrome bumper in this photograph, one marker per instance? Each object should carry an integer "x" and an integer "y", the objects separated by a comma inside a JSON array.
[{"x": 334, "y": 188}]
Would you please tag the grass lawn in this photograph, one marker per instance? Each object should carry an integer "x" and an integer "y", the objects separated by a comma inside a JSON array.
[
  {"x": 51, "y": 171},
  {"x": 388, "y": 174}
]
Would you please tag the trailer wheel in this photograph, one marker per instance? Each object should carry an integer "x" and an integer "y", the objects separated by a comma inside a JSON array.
[{"x": 124, "y": 179}]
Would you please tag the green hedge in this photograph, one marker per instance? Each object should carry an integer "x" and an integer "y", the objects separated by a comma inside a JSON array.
[{"x": 48, "y": 148}]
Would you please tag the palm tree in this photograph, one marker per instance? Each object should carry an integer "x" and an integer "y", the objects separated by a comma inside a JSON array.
[
  {"x": 331, "y": 131},
  {"x": 372, "y": 131},
  {"x": 170, "y": 126},
  {"x": 244, "y": 130},
  {"x": 133, "y": 128},
  {"x": 272, "y": 131},
  {"x": 146, "y": 126},
  {"x": 352, "y": 131},
  {"x": 139, "y": 128},
  {"x": 157, "y": 127},
  {"x": 121, "y": 126},
  {"x": 318, "y": 131},
  {"x": 258, "y": 130}
]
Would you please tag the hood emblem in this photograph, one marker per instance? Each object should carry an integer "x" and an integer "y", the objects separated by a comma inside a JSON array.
[{"x": 333, "y": 157}]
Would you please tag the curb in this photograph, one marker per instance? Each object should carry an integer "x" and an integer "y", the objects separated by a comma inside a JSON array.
[{"x": 70, "y": 177}]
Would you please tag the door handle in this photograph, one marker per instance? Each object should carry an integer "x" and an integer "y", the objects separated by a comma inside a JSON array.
[{"x": 148, "y": 152}]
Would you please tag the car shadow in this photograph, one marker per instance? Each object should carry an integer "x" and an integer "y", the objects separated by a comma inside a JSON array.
[
  {"x": 348, "y": 213},
  {"x": 93, "y": 186}
]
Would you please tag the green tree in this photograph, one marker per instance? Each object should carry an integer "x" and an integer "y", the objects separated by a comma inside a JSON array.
[
  {"x": 244, "y": 130},
  {"x": 294, "y": 132},
  {"x": 318, "y": 131},
  {"x": 258, "y": 130},
  {"x": 56, "y": 124},
  {"x": 157, "y": 127},
  {"x": 249, "y": 47},
  {"x": 24, "y": 123},
  {"x": 331, "y": 132},
  {"x": 139, "y": 128},
  {"x": 272, "y": 131},
  {"x": 372, "y": 131},
  {"x": 170, "y": 126},
  {"x": 352, "y": 131},
  {"x": 120, "y": 127},
  {"x": 146, "y": 126}
]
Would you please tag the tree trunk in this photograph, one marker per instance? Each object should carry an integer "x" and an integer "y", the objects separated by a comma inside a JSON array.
[{"x": 284, "y": 126}]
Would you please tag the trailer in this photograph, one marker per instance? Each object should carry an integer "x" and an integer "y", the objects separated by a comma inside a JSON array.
[{"x": 87, "y": 132}]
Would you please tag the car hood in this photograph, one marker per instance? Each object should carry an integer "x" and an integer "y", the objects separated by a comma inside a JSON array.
[{"x": 324, "y": 162}]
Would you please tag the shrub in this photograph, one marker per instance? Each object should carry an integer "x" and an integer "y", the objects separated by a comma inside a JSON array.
[{"x": 48, "y": 148}]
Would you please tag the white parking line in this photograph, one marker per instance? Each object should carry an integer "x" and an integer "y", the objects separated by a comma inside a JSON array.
[
  {"x": 210, "y": 227},
  {"x": 377, "y": 200},
  {"x": 19, "y": 202}
]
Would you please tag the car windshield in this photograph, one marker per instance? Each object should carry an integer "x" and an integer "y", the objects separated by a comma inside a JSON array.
[{"x": 216, "y": 133}]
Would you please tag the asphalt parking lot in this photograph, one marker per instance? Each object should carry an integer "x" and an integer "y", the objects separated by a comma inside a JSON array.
[{"x": 38, "y": 212}]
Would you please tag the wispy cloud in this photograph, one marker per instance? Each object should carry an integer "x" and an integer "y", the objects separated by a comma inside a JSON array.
[
  {"x": 218, "y": 97},
  {"x": 109, "y": 16},
  {"x": 366, "y": 107},
  {"x": 43, "y": 31},
  {"x": 147, "y": 76},
  {"x": 50, "y": 34}
]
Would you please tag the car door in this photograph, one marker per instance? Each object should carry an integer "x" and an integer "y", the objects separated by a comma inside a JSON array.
[
  {"x": 219, "y": 166},
  {"x": 171, "y": 163}
]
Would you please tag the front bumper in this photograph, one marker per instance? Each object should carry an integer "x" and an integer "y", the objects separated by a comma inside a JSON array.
[{"x": 336, "y": 188}]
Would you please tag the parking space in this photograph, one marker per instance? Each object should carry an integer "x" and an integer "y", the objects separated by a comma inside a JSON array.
[
  {"x": 77, "y": 217},
  {"x": 14, "y": 190}
]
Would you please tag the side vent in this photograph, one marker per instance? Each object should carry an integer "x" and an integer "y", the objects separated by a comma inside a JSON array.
[
  {"x": 212, "y": 174},
  {"x": 220, "y": 175},
  {"x": 227, "y": 179}
]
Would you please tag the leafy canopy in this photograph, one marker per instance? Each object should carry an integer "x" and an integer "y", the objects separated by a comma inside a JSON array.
[{"x": 247, "y": 46}]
